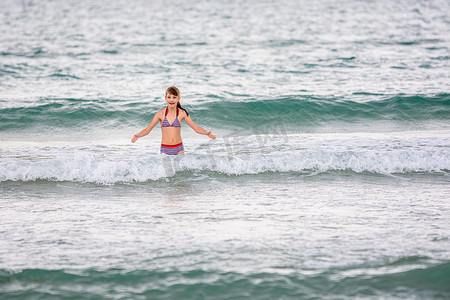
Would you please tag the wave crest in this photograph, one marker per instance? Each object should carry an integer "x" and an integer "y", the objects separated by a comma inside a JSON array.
[{"x": 87, "y": 166}]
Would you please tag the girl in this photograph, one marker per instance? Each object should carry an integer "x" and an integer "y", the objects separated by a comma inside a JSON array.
[{"x": 170, "y": 119}]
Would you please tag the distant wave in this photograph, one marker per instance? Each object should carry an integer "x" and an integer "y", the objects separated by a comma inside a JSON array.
[
  {"x": 304, "y": 111},
  {"x": 298, "y": 111},
  {"x": 423, "y": 281}
]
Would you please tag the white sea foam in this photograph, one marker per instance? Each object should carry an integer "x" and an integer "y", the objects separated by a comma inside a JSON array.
[{"x": 298, "y": 154}]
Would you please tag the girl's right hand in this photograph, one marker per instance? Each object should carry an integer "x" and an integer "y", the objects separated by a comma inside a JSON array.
[
  {"x": 211, "y": 135},
  {"x": 135, "y": 138}
]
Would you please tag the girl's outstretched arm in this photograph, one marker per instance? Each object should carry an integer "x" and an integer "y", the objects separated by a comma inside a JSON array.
[
  {"x": 198, "y": 129},
  {"x": 149, "y": 128}
]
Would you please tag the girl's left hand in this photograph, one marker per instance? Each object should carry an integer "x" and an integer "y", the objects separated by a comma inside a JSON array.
[
  {"x": 211, "y": 135},
  {"x": 135, "y": 138}
]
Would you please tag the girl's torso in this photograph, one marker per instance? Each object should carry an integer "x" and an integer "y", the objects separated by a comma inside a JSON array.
[{"x": 171, "y": 128}]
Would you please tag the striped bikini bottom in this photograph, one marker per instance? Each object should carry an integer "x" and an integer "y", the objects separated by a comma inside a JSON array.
[{"x": 172, "y": 149}]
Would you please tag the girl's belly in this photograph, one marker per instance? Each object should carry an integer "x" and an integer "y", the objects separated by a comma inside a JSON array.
[{"x": 171, "y": 136}]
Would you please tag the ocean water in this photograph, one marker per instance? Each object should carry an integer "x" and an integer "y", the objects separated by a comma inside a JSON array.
[{"x": 329, "y": 177}]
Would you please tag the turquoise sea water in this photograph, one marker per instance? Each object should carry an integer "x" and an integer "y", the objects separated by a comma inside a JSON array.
[{"x": 329, "y": 178}]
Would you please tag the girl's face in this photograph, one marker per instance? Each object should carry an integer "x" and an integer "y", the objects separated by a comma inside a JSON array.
[{"x": 172, "y": 100}]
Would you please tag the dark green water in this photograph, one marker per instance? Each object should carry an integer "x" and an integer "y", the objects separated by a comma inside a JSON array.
[{"x": 429, "y": 282}]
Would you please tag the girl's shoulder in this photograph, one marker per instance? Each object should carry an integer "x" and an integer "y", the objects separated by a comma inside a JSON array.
[
  {"x": 160, "y": 112},
  {"x": 182, "y": 113}
]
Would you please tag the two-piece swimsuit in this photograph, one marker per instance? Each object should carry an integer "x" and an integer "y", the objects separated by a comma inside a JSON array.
[{"x": 171, "y": 149}]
